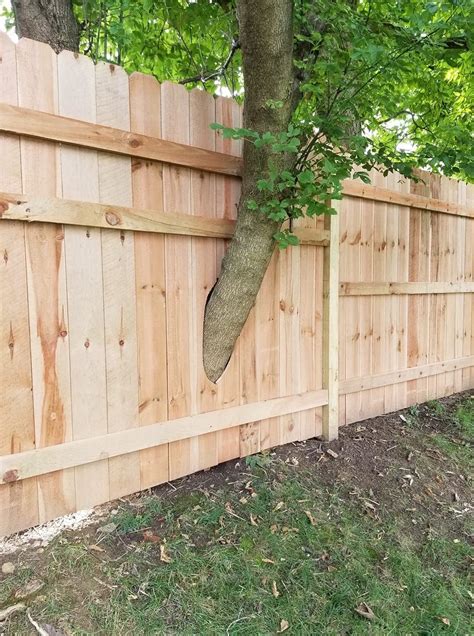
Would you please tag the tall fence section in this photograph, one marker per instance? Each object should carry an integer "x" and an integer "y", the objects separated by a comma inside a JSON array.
[{"x": 117, "y": 201}]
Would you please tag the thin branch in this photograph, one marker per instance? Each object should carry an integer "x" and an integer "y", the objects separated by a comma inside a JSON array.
[{"x": 208, "y": 75}]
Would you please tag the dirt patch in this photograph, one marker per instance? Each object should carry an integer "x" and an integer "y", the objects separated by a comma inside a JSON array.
[{"x": 408, "y": 470}]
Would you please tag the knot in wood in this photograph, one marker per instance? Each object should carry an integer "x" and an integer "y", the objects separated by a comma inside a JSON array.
[
  {"x": 112, "y": 218},
  {"x": 10, "y": 476}
]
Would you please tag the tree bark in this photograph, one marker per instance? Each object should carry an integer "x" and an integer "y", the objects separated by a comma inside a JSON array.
[
  {"x": 266, "y": 38},
  {"x": 50, "y": 21}
]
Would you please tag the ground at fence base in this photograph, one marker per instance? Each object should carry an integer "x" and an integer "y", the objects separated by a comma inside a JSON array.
[{"x": 297, "y": 535}]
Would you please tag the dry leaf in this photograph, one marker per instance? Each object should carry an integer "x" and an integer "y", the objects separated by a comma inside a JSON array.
[
  {"x": 9, "y": 611},
  {"x": 312, "y": 520},
  {"x": 151, "y": 537},
  {"x": 284, "y": 625},
  {"x": 364, "y": 610},
  {"x": 44, "y": 629},
  {"x": 268, "y": 561},
  {"x": 273, "y": 528},
  {"x": 444, "y": 620},
  {"x": 253, "y": 520},
  {"x": 279, "y": 506},
  {"x": 275, "y": 591},
  {"x": 243, "y": 500},
  {"x": 96, "y": 548},
  {"x": 28, "y": 589},
  {"x": 163, "y": 555},
  {"x": 332, "y": 453}
]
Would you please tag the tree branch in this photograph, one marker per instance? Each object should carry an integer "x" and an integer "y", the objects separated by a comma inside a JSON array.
[{"x": 208, "y": 75}]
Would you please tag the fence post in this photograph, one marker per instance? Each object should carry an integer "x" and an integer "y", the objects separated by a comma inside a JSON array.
[{"x": 331, "y": 325}]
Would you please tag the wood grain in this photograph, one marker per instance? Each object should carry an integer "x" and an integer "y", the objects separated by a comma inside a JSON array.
[
  {"x": 77, "y": 132},
  {"x": 91, "y": 450},
  {"x": 147, "y": 182},
  {"x": 18, "y": 501}
]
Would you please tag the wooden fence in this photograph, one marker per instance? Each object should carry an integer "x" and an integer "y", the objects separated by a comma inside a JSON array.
[{"x": 103, "y": 391}]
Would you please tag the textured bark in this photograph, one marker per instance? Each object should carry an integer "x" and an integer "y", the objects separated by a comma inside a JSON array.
[
  {"x": 50, "y": 21},
  {"x": 266, "y": 37}
]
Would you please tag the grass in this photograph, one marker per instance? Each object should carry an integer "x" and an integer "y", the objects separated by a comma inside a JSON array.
[{"x": 275, "y": 547}]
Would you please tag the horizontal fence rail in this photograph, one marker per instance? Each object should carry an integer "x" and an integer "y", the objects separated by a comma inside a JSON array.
[
  {"x": 42, "y": 461},
  {"x": 387, "y": 289},
  {"x": 17, "y": 207},
  {"x": 31, "y": 123}
]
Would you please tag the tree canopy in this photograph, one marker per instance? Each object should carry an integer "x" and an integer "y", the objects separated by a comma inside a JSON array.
[{"x": 327, "y": 85}]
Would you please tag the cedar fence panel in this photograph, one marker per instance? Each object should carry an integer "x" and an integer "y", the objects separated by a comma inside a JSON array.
[{"x": 117, "y": 202}]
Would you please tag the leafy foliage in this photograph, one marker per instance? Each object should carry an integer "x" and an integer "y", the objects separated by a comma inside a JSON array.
[
  {"x": 380, "y": 84},
  {"x": 172, "y": 40}
]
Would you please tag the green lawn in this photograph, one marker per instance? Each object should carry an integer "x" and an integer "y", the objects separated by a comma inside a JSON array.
[{"x": 282, "y": 542}]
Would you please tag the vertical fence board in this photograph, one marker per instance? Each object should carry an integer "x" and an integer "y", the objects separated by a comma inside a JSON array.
[
  {"x": 204, "y": 273},
  {"x": 118, "y": 270},
  {"x": 85, "y": 293},
  {"x": 37, "y": 89},
  {"x": 352, "y": 305},
  {"x": 249, "y": 433},
  {"x": 378, "y": 363},
  {"x": 402, "y": 185},
  {"x": 365, "y": 303},
  {"x": 290, "y": 353},
  {"x": 176, "y": 196},
  {"x": 418, "y": 305},
  {"x": 18, "y": 501},
  {"x": 147, "y": 181},
  {"x": 267, "y": 356},
  {"x": 468, "y": 331},
  {"x": 330, "y": 421}
]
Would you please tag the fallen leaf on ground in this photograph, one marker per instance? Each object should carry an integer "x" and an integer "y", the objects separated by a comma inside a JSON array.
[
  {"x": 284, "y": 625},
  {"x": 279, "y": 505},
  {"x": 96, "y": 548},
  {"x": 332, "y": 453},
  {"x": 268, "y": 561},
  {"x": 30, "y": 588},
  {"x": 312, "y": 520},
  {"x": 444, "y": 620},
  {"x": 9, "y": 611},
  {"x": 151, "y": 537},
  {"x": 275, "y": 591},
  {"x": 44, "y": 629},
  {"x": 364, "y": 610},
  {"x": 253, "y": 520},
  {"x": 163, "y": 555}
]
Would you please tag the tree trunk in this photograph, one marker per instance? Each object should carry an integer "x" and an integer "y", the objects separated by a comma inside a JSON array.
[
  {"x": 50, "y": 21},
  {"x": 266, "y": 37}
]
